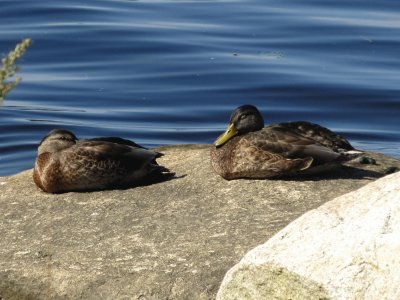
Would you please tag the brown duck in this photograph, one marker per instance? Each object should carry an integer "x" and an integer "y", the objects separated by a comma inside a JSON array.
[
  {"x": 64, "y": 163},
  {"x": 247, "y": 149}
]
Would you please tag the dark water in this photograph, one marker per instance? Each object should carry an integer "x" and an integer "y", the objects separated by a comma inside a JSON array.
[{"x": 170, "y": 72}]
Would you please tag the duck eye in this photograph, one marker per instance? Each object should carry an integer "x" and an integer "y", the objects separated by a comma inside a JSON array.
[{"x": 242, "y": 117}]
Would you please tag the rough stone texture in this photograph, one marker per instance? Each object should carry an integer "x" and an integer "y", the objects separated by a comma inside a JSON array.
[
  {"x": 170, "y": 240},
  {"x": 349, "y": 248}
]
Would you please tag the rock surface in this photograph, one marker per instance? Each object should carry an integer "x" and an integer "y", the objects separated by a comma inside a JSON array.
[
  {"x": 349, "y": 248},
  {"x": 170, "y": 240}
]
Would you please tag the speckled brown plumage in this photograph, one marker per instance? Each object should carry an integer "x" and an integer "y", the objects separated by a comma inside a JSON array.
[
  {"x": 247, "y": 150},
  {"x": 316, "y": 132},
  {"x": 66, "y": 164},
  {"x": 241, "y": 158}
]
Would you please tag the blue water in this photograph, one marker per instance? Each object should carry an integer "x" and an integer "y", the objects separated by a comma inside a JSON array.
[{"x": 171, "y": 72}]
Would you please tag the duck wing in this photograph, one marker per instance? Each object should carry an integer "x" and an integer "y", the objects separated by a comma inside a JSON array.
[
  {"x": 121, "y": 141},
  {"x": 116, "y": 140},
  {"x": 279, "y": 141},
  {"x": 108, "y": 155},
  {"x": 318, "y": 133}
]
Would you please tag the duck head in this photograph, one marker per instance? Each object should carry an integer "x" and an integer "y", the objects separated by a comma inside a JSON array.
[
  {"x": 56, "y": 140},
  {"x": 245, "y": 118}
]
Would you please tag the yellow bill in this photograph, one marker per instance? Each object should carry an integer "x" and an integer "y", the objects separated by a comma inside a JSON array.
[{"x": 226, "y": 136}]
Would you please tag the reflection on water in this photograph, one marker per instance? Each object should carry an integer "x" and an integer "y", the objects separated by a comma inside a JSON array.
[{"x": 169, "y": 72}]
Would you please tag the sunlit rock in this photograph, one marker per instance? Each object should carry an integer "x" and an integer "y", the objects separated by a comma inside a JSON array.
[{"x": 346, "y": 249}]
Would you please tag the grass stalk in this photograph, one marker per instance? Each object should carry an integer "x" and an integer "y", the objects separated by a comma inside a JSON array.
[{"x": 8, "y": 68}]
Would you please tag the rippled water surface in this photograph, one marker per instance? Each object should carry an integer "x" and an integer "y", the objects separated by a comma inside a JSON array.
[{"x": 170, "y": 72}]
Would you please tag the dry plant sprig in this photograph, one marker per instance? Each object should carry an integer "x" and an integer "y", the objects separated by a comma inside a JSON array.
[{"x": 8, "y": 67}]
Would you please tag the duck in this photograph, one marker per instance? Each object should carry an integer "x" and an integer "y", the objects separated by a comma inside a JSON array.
[
  {"x": 66, "y": 164},
  {"x": 247, "y": 149}
]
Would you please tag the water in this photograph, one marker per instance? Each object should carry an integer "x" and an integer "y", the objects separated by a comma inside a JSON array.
[{"x": 171, "y": 72}]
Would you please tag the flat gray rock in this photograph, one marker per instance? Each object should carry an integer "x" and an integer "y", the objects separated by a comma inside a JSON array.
[{"x": 170, "y": 240}]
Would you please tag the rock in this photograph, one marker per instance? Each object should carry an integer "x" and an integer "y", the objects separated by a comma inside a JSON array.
[
  {"x": 171, "y": 240},
  {"x": 346, "y": 249}
]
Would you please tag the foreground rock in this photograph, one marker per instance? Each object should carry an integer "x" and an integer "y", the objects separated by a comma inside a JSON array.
[
  {"x": 346, "y": 249},
  {"x": 170, "y": 240}
]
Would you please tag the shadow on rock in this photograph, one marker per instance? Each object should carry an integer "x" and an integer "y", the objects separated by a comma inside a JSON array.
[{"x": 344, "y": 172}]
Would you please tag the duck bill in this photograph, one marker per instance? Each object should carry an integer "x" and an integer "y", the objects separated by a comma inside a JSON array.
[{"x": 226, "y": 136}]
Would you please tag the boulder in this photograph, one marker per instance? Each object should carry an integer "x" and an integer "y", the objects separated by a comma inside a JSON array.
[
  {"x": 170, "y": 240},
  {"x": 349, "y": 248}
]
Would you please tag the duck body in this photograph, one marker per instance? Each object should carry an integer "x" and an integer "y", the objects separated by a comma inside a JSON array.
[
  {"x": 66, "y": 164},
  {"x": 284, "y": 149}
]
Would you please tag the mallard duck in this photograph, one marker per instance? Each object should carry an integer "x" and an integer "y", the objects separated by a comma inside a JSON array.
[
  {"x": 247, "y": 149},
  {"x": 64, "y": 163}
]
